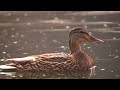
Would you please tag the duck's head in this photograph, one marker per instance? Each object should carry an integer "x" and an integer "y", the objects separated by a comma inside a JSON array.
[{"x": 79, "y": 34}]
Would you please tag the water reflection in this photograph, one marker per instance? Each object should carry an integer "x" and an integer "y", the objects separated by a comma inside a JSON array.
[{"x": 86, "y": 74}]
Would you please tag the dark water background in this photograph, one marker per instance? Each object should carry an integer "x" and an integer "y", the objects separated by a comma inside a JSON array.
[{"x": 24, "y": 33}]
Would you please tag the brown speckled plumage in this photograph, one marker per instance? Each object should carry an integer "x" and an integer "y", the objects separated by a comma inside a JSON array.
[{"x": 74, "y": 61}]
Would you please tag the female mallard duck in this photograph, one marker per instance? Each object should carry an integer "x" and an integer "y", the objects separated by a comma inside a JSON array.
[{"x": 76, "y": 60}]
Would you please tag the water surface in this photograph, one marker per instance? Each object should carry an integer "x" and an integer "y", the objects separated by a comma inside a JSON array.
[{"x": 25, "y": 33}]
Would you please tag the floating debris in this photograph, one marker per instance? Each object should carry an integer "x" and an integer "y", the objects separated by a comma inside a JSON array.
[
  {"x": 91, "y": 50},
  {"x": 15, "y": 42},
  {"x": 55, "y": 41},
  {"x": 9, "y": 14},
  {"x": 114, "y": 38},
  {"x": 12, "y": 28},
  {"x": 29, "y": 23},
  {"x": 22, "y": 48},
  {"x": 25, "y": 14},
  {"x": 105, "y": 25},
  {"x": 36, "y": 46},
  {"x": 88, "y": 47},
  {"x": 2, "y": 59},
  {"x": 111, "y": 71},
  {"x": 84, "y": 44},
  {"x": 6, "y": 46},
  {"x": 85, "y": 26},
  {"x": 94, "y": 17},
  {"x": 17, "y": 19},
  {"x": 21, "y": 35},
  {"x": 102, "y": 69},
  {"x": 109, "y": 46},
  {"x": 62, "y": 46},
  {"x": 43, "y": 75},
  {"x": 116, "y": 56},
  {"x": 67, "y": 27},
  {"x": 12, "y": 35},
  {"x": 25, "y": 53},
  {"x": 26, "y": 42},
  {"x": 116, "y": 50},
  {"x": 116, "y": 75},
  {"x": 4, "y": 52}
]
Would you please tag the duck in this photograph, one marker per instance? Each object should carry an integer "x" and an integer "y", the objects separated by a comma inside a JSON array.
[{"x": 76, "y": 60}]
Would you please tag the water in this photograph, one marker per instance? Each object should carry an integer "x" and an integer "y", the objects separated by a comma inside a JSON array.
[{"x": 29, "y": 33}]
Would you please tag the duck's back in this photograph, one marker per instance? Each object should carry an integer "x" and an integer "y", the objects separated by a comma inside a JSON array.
[{"x": 43, "y": 62}]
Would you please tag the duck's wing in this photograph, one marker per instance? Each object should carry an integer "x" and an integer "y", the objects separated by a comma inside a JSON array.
[{"x": 49, "y": 57}]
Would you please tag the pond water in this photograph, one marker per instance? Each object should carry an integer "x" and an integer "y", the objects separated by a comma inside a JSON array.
[{"x": 24, "y": 33}]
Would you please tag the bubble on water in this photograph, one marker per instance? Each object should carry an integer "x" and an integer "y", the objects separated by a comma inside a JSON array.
[
  {"x": 25, "y": 53},
  {"x": 22, "y": 47},
  {"x": 9, "y": 14},
  {"x": 88, "y": 47},
  {"x": 29, "y": 23},
  {"x": 67, "y": 27},
  {"x": 63, "y": 47},
  {"x": 110, "y": 55},
  {"x": 16, "y": 34},
  {"x": 12, "y": 28},
  {"x": 114, "y": 38},
  {"x": 26, "y": 42},
  {"x": 91, "y": 50},
  {"x": 111, "y": 71},
  {"x": 119, "y": 24},
  {"x": 25, "y": 14},
  {"x": 1, "y": 44},
  {"x": 15, "y": 42},
  {"x": 102, "y": 69},
  {"x": 82, "y": 21},
  {"x": 19, "y": 49},
  {"x": 21, "y": 35},
  {"x": 56, "y": 18},
  {"x": 6, "y": 46},
  {"x": 116, "y": 56},
  {"x": 13, "y": 76},
  {"x": 36, "y": 46},
  {"x": 109, "y": 46},
  {"x": 94, "y": 17},
  {"x": 97, "y": 57},
  {"x": 34, "y": 30},
  {"x": 17, "y": 19},
  {"x": 55, "y": 41},
  {"x": 43, "y": 75},
  {"x": 21, "y": 75},
  {"x": 8, "y": 55},
  {"x": 12, "y": 35},
  {"x": 84, "y": 44},
  {"x": 105, "y": 25},
  {"x": 116, "y": 50},
  {"x": 4, "y": 52},
  {"x": 116, "y": 75},
  {"x": 2, "y": 59},
  {"x": 85, "y": 26}
]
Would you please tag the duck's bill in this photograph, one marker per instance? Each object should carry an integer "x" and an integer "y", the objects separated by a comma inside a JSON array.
[{"x": 95, "y": 40}]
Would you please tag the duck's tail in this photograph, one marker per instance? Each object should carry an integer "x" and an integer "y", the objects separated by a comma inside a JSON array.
[
  {"x": 7, "y": 68},
  {"x": 20, "y": 61}
]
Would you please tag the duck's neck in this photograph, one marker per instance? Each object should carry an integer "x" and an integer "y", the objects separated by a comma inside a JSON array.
[
  {"x": 79, "y": 55},
  {"x": 74, "y": 47}
]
